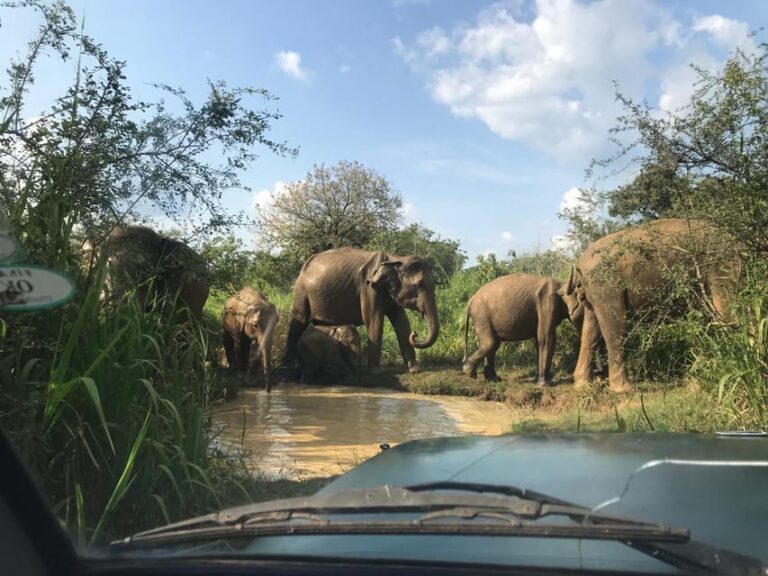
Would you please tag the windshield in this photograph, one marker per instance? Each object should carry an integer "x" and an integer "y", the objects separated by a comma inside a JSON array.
[{"x": 257, "y": 251}]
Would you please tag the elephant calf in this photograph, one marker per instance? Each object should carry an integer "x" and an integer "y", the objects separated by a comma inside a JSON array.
[
  {"x": 249, "y": 322},
  {"x": 514, "y": 308},
  {"x": 329, "y": 354}
]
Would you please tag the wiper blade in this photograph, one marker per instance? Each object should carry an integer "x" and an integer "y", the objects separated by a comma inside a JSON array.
[
  {"x": 437, "y": 501},
  {"x": 442, "y": 508}
]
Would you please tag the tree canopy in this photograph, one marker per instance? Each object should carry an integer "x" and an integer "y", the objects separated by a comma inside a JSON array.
[
  {"x": 343, "y": 205},
  {"x": 706, "y": 159},
  {"x": 99, "y": 156},
  {"x": 417, "y": 239}
]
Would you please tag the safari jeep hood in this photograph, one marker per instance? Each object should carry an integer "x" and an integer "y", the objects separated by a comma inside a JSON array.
[{"x": 673, "y": 479}]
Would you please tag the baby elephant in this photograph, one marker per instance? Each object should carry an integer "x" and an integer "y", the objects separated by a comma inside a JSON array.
[
  {"x": 514, "y": 308},
  {"x": 249, "y": 325},
  {"x": 329, "y": 354}
]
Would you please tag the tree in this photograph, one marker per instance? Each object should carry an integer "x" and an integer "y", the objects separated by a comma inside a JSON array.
[
  {"x": 419, "y": 240},
  {"x": 229, "y": 265},
  {"x": 708, "y": 159},
  {"x": 345, "y": 205},
  {"x": 98, "y": 156}
]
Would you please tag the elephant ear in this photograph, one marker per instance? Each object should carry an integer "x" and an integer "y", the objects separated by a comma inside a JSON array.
[{"x": 385, "y": 275}]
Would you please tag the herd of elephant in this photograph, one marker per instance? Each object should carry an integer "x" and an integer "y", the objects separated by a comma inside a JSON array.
[{"x": 338, "y": 290}]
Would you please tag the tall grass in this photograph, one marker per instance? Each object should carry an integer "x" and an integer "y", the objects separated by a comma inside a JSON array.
[
  {"x": 123, "y": 420},
  {"x": 732, "y": 363}
]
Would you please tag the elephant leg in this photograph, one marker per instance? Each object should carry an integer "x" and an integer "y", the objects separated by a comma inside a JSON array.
[
  {"x": 237, "y": 353},
  {"x": 229, "y": 349},
  {"x": 244, "y": 356},
  {"x": 402, "y": 326},
  {"x": 489, "y": 371},
  {"x": 375, "y": 330},
  {"x": 612, "y": 320},
  {"x": 300, "y": 317},
  {"x": 590, "y": 338},
  {"x": 545, "y": 346},
  {"x": 486, "y": 340}
]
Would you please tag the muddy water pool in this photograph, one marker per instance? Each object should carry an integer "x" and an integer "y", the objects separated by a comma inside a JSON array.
[{"x": 301, "y": 431}]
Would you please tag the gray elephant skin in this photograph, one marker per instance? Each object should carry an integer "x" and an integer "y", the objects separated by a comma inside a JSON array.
[
  {"x": 249, "y": 322},
  {"x": 633, "y": 270},
  {"x": 157, "y": 267},
  {"x": 358, "y": 287},
  {"x": 513, "y": 308},
  {"x": 330, "y": 354}
]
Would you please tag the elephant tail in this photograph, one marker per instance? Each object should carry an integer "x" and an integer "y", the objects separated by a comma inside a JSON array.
[{"x": 467, "y": 315}]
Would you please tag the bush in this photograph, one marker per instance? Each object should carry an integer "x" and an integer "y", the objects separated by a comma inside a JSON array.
[{"x": 732, "y": 363}]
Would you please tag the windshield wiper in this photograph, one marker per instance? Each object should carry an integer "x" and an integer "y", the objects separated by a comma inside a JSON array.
[{"x": 444, "y": 508}]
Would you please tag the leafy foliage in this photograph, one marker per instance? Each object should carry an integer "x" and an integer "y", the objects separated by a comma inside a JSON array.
[
  {"x": 417, "y": 239},
  {"x": 706, "y": 159},
  {"x": 344, "y": 205},
  {"x": 98, "y": 154}
]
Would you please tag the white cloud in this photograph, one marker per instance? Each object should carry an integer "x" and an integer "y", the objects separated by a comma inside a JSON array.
[
  {"x": 573, "y": 200},
  {"x": 264, "y": 199},
  {"x": 548, "y": 81},
  {"x": 290, "y": 63},
  {"x": 507, "y": 236},
  {"x": 730, "y": 33}
]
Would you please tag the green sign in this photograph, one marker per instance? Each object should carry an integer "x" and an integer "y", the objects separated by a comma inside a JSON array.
[
  {"x": 8, "y": 247},
  {"x": 24, "y": 288}
]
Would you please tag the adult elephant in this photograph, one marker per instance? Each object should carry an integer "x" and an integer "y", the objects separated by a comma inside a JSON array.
[
  {"x": 513, "y": 308},
  {"x": 358, "y": 287},
  {"x": 330, "y": 354},
  {"x": 249, "y": 322},
  {"x": 156, "y": 267},
  {"x": 640, "y": 268}
]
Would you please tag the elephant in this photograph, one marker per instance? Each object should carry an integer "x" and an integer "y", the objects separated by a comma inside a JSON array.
[
  {"x": 330, "y": 353},
  {"x": 156, "y": 266},
  {"x": 513, "y": 308},
  {"x": 249, "y": 322},
  {"x": 360, "y": 287},
  {"x": 639, "y": 268}
]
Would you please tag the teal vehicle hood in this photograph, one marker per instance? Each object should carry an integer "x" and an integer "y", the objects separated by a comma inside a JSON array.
[{"x": 715, "y": 486}]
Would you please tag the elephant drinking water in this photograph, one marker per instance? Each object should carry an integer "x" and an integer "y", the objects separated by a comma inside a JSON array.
[
  {"x": 358, "y": 287},
  {"x": 330, "y": 354},
  {"x": 249, "y": 324}
]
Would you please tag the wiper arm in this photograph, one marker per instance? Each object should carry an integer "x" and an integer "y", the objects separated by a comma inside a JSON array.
[{"x": 446, "y": 508}]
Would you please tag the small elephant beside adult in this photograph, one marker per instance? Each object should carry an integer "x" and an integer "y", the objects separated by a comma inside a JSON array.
[
  {"x": 156, "y": 267},
  {"x": 359, "y": 287},
  {"x": 635, "y": 269},
  {"x": 513, "y": 308},
  {"x": 249, "y": 322},
  {"x": 330, "y": 354}
]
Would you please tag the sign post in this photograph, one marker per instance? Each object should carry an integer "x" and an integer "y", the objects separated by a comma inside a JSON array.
[{"x": 25, "y": 288}]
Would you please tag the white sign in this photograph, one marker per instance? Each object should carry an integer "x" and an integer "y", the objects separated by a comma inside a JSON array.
[
  {"x": 24, "y": 287},
  {"x": 8, "y": 247}
]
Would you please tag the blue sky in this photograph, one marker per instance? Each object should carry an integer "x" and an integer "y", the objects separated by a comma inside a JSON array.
[{"x": 482, "y": 114}]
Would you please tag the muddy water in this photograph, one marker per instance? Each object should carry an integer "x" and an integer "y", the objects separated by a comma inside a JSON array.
[{"x": 300, "y": 431}]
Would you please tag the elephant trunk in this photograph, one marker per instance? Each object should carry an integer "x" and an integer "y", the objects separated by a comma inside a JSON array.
[
  {"x": 266, "y": 353},
  {"x": 433, "y": 322}
]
